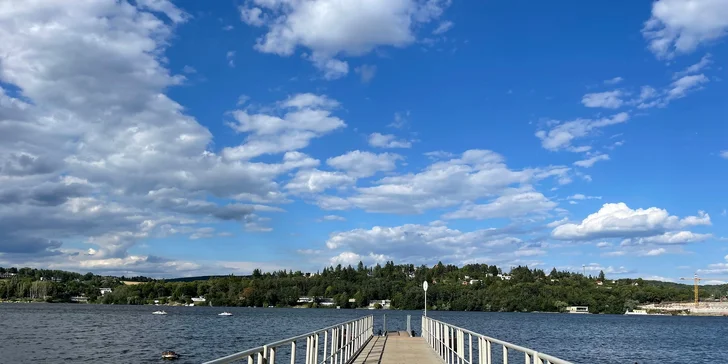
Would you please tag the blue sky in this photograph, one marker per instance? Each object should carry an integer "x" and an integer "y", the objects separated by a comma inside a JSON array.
[{"x": 185, "y": 138}]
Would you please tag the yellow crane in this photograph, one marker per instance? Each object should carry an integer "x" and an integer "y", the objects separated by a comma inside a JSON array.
[{"x": 696, "y": 282}]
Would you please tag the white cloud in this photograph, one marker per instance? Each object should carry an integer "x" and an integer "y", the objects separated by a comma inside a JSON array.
[
  {"x": 332, "y": 28},
  {"x": 429, "y": 243},
  {"x": 400, "y": 120},
  {"x": 589, "y": 162},
  {"x": 366, "y": 72},
  {"x": 562, "y": 134},
  {"x": 655, "y": 252},
  {"x": 334, "y": 218},
  {"x": 650, "y": 97},
  {"x": 724, "y": 154},
  {"x": 613, "y": 81},
  {"x": 230, "y": 58},
  {"x": 98, "y": 153},
  {"x": 316, "y": 181},
  {"x": 684, "y": 85},
  {"x": 616, "y": 253},
  {"x": 228, "y": 28},
  {"x": 443, "y": 27},
  {"x": 618, "y": 220},
  {"x": 364, "y": 164},
  {"x": 717, "y": 268},
  {"x": 556, "y": 223},
  {"x": 673, "y": 237},
  {"x": 387, "y": 141},
  {"x": 693, "y": 69},
  {"x": 595, "y": 268},
  {"x": 608, "y": 100},
  {"x": 513, "y": 203},
  {"x": 475, "y": 174},
  {"x": 189, "y": 69},
  {"x": 658, "y": 278},
  {"x": 603, "y": 244},
  {"x": 305, "y": 117},
  {"x": 680, "y": 26},
  {"x": 349, "y": 258},
  {"x": 580, "y": 196}
]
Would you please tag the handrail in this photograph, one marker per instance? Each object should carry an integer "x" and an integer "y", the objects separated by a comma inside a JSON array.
[
  {"x": 448, "y": 342},
  {"x": 346, "y": 340}
]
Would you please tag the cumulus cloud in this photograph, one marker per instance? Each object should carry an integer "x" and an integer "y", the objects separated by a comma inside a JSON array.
[
  {"x": 331, "y": 28},
  {"x": 379, "y": 140},
  {"x": 364, "y": 164},
  {"x": 422, "y": 243},
  {"x": 304, "y": 117},
  {"x": 724, "y": 154},
  {"x": 475, "y": 174},
  {"x": 620, "y": 221},
  {"x": 92, "y": 149},
  {"x": 317, "y": 181},
  {"x": 608, "y": 100},
  {"x": 679, "y": 26},
  {"x": 350, "y": 258},
  {"x": 513, "y": 203},
  {"x": 561, "y": 134},
  {"x": 669, "y": 238}
]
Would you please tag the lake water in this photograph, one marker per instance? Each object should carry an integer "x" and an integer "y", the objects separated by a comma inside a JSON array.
[{"x": 59, "y": 333}]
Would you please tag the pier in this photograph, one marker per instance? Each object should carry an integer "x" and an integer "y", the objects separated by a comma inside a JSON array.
[{"x": 355, "y": 342}]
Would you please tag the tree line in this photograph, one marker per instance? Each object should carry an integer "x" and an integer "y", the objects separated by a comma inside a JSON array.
[{"x": 474, "y": 287}]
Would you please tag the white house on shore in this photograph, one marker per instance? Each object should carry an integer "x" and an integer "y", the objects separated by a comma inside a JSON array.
[
  {"x": 104, "y": 291},
  {"x": 577, "y": 309},
  {"x": 200, "y": 299}
]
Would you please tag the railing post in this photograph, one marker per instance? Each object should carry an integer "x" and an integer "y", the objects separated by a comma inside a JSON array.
[
  {"x": 488, "y": 352},
  {"x": 326, "y": 344},
  {"x": 384, "y": 324},
  {"x": 261, "y": 360},
  {"x": 308, "y": 350},
  {"x": 272, "y": 356},
  {"x": 470, "y": 347},
  {"x": 537, "y": 359},
  {"x": 332, "y": 360},
  {"x": 481, "y": 351},
  {"x": 293, "y": 352},
  {"x": 505, "y": 355},
  {"x": 528, "y": 359},
  {"x": 315, "y": 349},
  {"x": 251, "y": 359}
]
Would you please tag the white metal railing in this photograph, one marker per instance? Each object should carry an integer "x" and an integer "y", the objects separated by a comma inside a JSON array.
[
  {"x": 341, "y": 343},
  {"x": 448, "y": 342}
]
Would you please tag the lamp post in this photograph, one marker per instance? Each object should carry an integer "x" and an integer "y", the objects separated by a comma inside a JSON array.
[{"x": 424, "y": 287}]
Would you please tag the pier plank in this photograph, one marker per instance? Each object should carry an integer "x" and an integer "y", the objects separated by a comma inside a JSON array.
[{"x": 397, "y": 348}]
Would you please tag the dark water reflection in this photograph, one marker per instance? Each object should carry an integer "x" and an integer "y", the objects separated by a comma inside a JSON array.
[{"x": 45, "y": 333}]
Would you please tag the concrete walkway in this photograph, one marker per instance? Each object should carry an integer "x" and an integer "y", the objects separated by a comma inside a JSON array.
[{"x": 397, "y": 348}]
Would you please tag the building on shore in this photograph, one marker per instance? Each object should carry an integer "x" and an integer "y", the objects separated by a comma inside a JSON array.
[{"x": 577, "y": 309}]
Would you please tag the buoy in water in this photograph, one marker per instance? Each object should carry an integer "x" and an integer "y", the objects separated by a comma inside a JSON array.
[{"x": 171, "y": 355}]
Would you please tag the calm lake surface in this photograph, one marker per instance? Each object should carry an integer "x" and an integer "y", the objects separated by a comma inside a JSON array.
[{"x": 60, "y": 333}]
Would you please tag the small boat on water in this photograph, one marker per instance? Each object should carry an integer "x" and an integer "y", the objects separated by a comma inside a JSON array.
[
  {"x": 170, "y": 355},
  {"x": 159, "y": 313},
  {"x": 225, "y": 314}
]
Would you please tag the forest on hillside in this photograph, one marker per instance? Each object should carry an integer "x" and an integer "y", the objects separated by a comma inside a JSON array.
[{"x": 475, "y": 287}]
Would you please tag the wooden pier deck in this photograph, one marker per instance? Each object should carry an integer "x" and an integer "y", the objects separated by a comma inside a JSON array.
[{"x": 397, "y": 348}]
